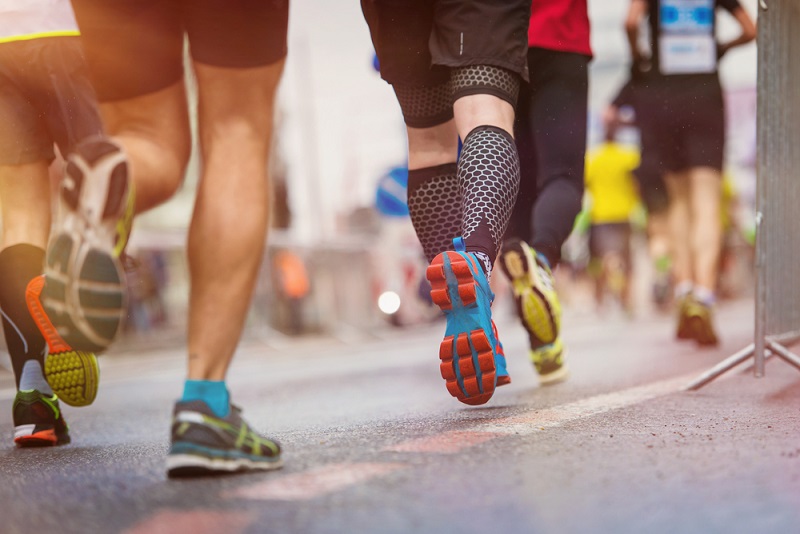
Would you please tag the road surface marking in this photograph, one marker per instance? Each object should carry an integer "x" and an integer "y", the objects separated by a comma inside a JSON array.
[
  {"x": 193, "y": 522},
  {"x": 446, "y": 442},
  {"x": 327, "y": 479},
  {"x": 315, "y": 482},
  {"x": 536, "y": 420}
]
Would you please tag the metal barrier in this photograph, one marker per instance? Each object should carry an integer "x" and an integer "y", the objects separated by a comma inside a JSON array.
[{"x": 777, "y": 317}]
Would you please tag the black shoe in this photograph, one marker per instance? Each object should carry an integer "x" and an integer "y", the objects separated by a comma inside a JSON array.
[
  {"x": 38, "y": 421},
  {"x": 204, "y": 444}
]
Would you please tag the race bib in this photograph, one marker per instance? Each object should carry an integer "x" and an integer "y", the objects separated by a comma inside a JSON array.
[{"x": 686, "y": 41}]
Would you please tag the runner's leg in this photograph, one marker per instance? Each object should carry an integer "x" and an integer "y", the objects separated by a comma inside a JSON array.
[{"x": 225, "y": 249}]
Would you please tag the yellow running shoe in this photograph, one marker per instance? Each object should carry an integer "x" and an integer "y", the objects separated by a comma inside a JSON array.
[
  {"x": 700, "y": 323},
  {"x": 74, "y": 375},
  {"x": 538, "y": 308}
]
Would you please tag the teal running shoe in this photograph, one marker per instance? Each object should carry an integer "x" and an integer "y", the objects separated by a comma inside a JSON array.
[
  {"x": 469, "y": 350},
  {"x": 205, "y": 444}
]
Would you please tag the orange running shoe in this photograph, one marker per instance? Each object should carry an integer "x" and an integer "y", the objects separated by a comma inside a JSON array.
[{"x": 74, "y": 375}]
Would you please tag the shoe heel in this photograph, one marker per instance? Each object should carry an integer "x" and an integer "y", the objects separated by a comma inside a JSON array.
[
  {"x": 463, "y": 280},
  {"x": 32, "y": 295}
]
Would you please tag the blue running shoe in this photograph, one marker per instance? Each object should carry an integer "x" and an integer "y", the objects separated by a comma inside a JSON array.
[
  {"x": 470, "y": 347},
  {"x": 503, "y": 377}
]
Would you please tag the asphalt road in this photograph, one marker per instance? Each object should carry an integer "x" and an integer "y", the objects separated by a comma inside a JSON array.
[{"x": 373, "y": 442}]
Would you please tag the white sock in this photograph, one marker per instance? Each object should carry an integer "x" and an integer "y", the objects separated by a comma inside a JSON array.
[
  {"x": 33, "y": 378},
  {"x": 682, "y": 289},
  {"x": 704, "y": 295}
]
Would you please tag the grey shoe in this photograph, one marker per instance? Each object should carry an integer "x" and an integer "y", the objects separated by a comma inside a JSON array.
[{"x": 204, "y": 444}]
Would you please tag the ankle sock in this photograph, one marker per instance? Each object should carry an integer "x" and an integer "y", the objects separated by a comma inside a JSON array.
[
  {"x": 683, "y": 289},
  {"x": 704, "y": 295},
  {"x": 212, "y": 392},
  {"x": 33, "y": 378}
]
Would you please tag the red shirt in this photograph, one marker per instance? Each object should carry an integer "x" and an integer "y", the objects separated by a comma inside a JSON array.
[{"x": 561, "y": 25}]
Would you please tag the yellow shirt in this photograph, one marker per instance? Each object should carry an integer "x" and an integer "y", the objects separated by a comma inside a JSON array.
[{"x": 610, "y": 182}]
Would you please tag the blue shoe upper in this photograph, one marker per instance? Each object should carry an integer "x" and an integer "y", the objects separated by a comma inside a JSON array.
[{"x": 461, "y": 318}]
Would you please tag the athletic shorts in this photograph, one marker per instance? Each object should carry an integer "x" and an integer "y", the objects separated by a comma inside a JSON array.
[
  {"x": 45, "y": 98},
  {"x": 610, "y": 238},
  {"x": 417, "y": 41},
  {"x": 685, "y": 119},
  {"x": 136, "y": 47}
]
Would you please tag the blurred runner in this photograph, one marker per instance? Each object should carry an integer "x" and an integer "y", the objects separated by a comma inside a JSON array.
[
  {"x": 45, "y": 100},
  {"x": 687, "y": 107},
  {"x": 455, "y": 67},
  {"x": 135, "y": 51},
  {"x": 612, "y": 195},
  {"x": 551, "y": 136},
  {"x": 650, "y": 177},
  {"x": 293, "y": 284}
]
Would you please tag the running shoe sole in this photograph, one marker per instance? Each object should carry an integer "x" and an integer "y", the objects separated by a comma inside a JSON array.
[
  {"x": 73, "y": 375},
  {"x": 533, "y": 307},
  {"x": 26, "y": 436},
  {"x": 190, "y": 460},
  {"x": 84, "y": 294},
  {"x": 467, "y": 357}
]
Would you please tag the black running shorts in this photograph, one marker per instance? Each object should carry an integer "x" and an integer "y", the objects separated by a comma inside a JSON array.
[
  {"x": 417, "y": 40},
  {"x": 135, "y": 47},
  {"x": 45, "y": 98},
  {"x": 611, "y": 238},
  {"x": 685, "y": 122}
]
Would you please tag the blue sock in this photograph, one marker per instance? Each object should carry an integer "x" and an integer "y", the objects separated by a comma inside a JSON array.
[{"x": 212, "y": 392}]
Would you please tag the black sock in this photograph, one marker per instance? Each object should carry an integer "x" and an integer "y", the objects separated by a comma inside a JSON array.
[
  {"x": 19, "y": 264},
  {"x": 488, "y": 174},
  {"x": 434, "y": 203}
]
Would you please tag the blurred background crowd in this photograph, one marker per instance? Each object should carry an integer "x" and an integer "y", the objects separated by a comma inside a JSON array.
[{"x": 342, "y": 254}]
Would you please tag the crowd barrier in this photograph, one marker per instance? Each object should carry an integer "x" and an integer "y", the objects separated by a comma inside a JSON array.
[{"x": 777, "y": 302}]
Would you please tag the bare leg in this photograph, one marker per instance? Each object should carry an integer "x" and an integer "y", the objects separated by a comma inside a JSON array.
[
  {"x": 482, "y": 110},
  {"x": 706, "y": 238},
  {"x": 25, "y": 204},
  {"x": 680, "y": 224},
  {"x": 154, "y": 129},
  {"x": 428, "y": 147},
  {"x": 229, "y": 225}
]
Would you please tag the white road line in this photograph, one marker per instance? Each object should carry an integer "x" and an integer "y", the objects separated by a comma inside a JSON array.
[
  {"x": 536, "y": 420},
  {"x": 446, "y": 442},
  {"x": 334, "y": 477},
  {"x": 315, "y": 482}
]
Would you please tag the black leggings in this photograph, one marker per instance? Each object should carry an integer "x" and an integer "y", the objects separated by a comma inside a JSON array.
[{"x": 551, "y": 139}]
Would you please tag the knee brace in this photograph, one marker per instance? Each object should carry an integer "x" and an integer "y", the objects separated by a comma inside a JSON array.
[
  {"x": 486, "y": 80},
  {"x": 425, "y": 107}
]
